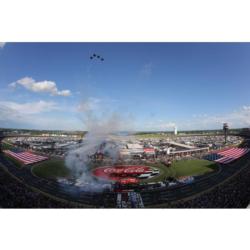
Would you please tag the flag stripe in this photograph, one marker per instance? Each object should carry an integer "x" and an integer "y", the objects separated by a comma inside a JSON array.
[
  {"x": 228, "y": 155},
  {"x": 25, "y": 157}
]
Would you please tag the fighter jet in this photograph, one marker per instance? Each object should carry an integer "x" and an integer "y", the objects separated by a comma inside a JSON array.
[{"x": 97, "y": 57}]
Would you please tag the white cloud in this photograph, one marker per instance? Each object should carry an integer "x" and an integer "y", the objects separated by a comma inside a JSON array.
[
  {"x": 235, "y": 119},
  {"x": 34, "y": 115},
  {"x": 2, "y": 44},
  {"x": 28, "y": 107},
  {"x": 65, "y": 92},
  {"x": 247, "y": 108},
  {"x": 38, "y": 87}
]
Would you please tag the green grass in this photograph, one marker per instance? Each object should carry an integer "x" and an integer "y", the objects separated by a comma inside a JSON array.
[
  {"x": 193, "y": 167},
  {"x": 6, "y": 146},
  {"x": 56, "y": 168},
  {"x": 181, "y": 168},
  {"x": 51, "y": 169}
]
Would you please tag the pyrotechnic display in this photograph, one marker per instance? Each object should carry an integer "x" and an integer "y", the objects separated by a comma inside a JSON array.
[{"x": 124, "y": 125}]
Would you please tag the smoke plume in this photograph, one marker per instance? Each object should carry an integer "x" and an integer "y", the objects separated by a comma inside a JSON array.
[{"x": 102, "y": 135}]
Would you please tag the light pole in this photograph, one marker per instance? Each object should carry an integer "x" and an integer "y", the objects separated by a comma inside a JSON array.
[{"x": 225, "y": 130}]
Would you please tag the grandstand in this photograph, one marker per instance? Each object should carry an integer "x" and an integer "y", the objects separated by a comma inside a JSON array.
[
  {"x": 185, "y": 194},
  {"x": 129, "y": 200}
]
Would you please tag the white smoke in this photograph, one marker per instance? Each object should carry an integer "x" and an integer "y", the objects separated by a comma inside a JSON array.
[{"x": 102, "y": 133}]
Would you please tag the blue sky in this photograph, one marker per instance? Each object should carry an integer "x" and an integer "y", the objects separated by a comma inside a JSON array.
[{"x": 152, "y": 86}]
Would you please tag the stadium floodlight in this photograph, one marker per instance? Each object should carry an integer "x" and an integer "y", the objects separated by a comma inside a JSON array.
[{"x": 225, "y": 130}]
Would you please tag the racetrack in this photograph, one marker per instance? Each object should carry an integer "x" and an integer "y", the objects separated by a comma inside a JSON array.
[
  {"x": 160, "y": 197},
  {"x": 150, "y": 197},
  {"x": 54, "y": 168}
]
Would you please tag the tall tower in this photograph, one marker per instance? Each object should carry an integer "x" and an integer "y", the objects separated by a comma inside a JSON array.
[
  {"x": 175, "y": 130},
  {"x": 225, "y": 130}
]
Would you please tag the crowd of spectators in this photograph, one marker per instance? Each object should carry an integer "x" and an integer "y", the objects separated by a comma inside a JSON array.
[
  {"x": 15, "y": 194},
  {"x": 234, "y": 193}
]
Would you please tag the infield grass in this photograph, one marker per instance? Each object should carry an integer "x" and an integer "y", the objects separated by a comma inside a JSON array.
[
  {"x": 51, "y": 169},
  {"x": 181, "y": 168},
  {"x": 56, "y": 168}
]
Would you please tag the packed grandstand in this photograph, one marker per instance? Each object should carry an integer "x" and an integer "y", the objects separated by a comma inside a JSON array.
[{"x": 152, "y": 177}]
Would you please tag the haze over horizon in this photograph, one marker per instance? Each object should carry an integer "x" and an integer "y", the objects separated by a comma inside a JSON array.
[{"x": 151, "y": 86}]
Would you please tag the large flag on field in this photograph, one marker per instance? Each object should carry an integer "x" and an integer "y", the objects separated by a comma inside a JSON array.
[
  {"x": 227, "y": 155},
  {"x": 25, "y": 157}
]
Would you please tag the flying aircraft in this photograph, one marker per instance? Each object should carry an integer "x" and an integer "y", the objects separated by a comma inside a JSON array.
[{"x": 97, "y": 57}]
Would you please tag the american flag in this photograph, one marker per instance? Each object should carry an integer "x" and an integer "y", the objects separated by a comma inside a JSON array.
[
  {"x": 227, "y": 155},
  {"x": 25, "y": 157}
]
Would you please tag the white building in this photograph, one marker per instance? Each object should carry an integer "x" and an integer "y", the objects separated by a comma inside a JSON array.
[{"x": 175, "y": 130}]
